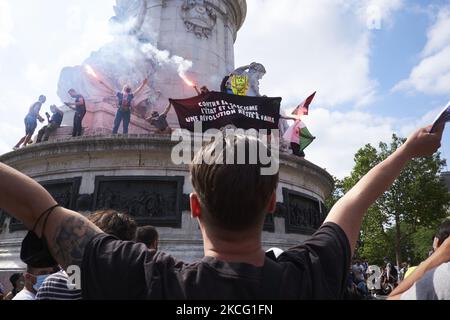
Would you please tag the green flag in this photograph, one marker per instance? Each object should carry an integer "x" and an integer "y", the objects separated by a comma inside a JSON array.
[{"x": 306, "y": 138}]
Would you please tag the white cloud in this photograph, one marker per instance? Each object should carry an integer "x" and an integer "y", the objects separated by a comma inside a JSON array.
[
  {"x": 93, "y": 34},
  {"x": 74, "y": 16},
  {"x": 438, "y": 34},
  {"x": 24, "y": 76},
  {"x": 323, "y": 46},
  {"x": 378, "y": 14},
  {"x": 341, "y": 134},
  {"x": 6, "y": 24},
  {"x": 432, "y": 74},
  {"x": 312, "y": 45},
  {"x": 36, "y": 75},
  {"x": 408, "y": 126}
]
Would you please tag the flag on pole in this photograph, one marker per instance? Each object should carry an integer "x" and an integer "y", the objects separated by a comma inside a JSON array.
[
  {"x": 306, "y": 138},
  {"x": 303, "y": 109},
  {"x": 299, "y": 134}
]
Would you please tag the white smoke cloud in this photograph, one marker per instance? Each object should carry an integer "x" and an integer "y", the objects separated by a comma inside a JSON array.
[{"x": 163, "y": 57}]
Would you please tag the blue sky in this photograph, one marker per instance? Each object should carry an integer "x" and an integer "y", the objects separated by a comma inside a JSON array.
[{"x": 379, "y": 66}]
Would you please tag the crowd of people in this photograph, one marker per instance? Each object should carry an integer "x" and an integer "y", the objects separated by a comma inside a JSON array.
[
  {"x": 44, "y": 279},
  {"x": 367, "y": 281},
  {"x": 230, "y": 212}
]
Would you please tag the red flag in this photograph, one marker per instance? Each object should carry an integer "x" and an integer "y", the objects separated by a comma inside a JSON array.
[{"x": 303, "y": 109}]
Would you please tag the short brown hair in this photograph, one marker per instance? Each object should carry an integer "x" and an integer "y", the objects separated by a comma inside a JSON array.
[
  {"x": 233, "y": 197},
  {"x": 114, "y": 223},
  {"x": 146, "y": 235}
]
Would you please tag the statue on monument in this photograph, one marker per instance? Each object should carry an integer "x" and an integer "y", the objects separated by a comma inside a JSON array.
[
  {"x": 129, "y": 59},
  {"x": 244, "y": 81}
]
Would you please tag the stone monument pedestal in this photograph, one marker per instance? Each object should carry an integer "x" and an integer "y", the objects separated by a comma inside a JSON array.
[{"x": 99, "y": 120}]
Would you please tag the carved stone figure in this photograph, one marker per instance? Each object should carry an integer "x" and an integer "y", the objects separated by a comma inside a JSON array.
[
  {"x": 199, "y": 17},
  {"x": 303, "y": 213},
  {"x": 145, "y": 200},
  {"x": 130, "y": 15},
  {"x": 244, "y": 81},
  {"x": 147, "y": 42}
]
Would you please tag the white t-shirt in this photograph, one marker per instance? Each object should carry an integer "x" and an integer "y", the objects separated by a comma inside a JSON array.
[
  {"x": 25, "y": 295},
  {"x": 435, "y": 285}
]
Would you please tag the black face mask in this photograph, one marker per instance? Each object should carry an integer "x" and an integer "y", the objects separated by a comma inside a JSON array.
[{"x": 35, "y": 252}]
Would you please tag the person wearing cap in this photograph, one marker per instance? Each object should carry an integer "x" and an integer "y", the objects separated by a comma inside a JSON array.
[
  {"x": 53, "y": 123},
  {"x": 31, "y": 122},
  {"x": 40, "y": 264},
  {"x": 160, "y": 121},
  {"x": 124, "y": 99}
]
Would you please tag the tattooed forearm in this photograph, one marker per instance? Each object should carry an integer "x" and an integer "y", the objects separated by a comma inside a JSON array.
[{"x": 70, "y": 241}]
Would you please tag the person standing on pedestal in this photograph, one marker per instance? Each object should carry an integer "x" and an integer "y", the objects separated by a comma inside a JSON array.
[
  {"x": 80, "y": 111},
  {"x": 31, "y": 122},
  {"x": 125, "y": 99}
]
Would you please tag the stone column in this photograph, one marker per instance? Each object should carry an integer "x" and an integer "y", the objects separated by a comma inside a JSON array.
[{"x": 201, "y": 31}]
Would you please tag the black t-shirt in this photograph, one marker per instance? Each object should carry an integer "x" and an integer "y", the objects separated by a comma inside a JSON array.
[
  {"x": 317, "y": 269},
  {"x": 80, "y": 109},
  {"x": 392, "y": 269},
  {"x": 57, "y": 118},
  {"x": 160, "y": 122},
  {"x": 125, "y": 105}
]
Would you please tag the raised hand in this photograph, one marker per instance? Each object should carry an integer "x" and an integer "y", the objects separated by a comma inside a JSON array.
[{"x": 422, "y": 143}]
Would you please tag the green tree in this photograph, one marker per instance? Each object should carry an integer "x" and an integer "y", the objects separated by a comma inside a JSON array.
[{"x": 417, "y": 201}]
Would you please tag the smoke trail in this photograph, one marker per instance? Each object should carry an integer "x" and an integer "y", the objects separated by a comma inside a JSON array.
[{"x": 163, "y": 58}]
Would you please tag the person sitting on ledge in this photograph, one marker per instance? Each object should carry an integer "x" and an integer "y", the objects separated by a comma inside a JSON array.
[
  {"x": 160, "y": 121},
  {"x": 125, "y": 99},
  {"x": 203, "y": 90},
  {"x": 231, "y": 211},
  {"x": 53, "y": 123}
]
